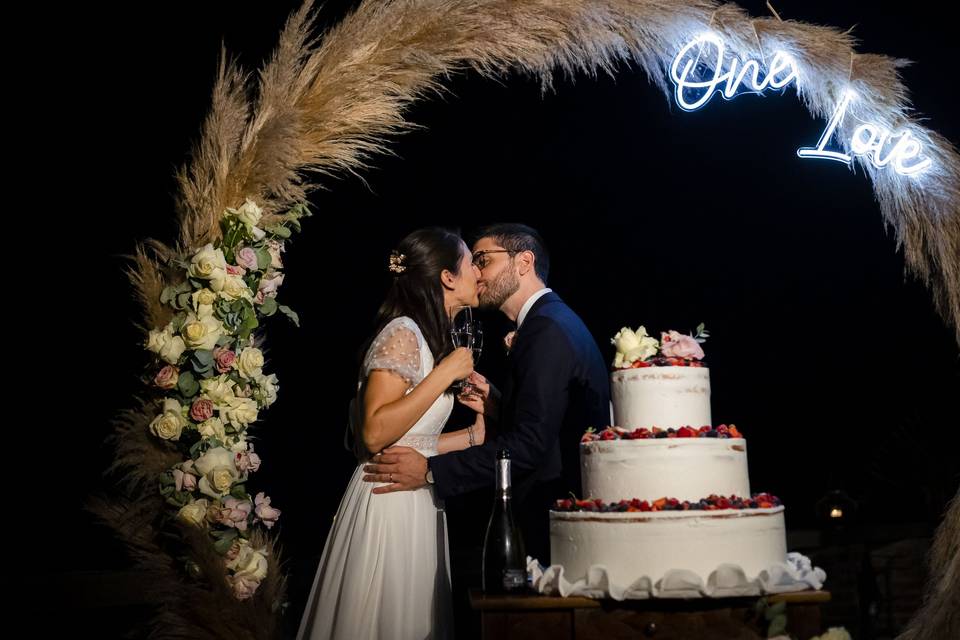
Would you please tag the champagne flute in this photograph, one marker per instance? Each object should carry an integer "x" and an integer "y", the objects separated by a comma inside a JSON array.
[{"x": 461, "y": 334}]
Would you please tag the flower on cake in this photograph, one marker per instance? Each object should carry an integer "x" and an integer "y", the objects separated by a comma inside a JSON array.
[{"x": 638, "y": 349}]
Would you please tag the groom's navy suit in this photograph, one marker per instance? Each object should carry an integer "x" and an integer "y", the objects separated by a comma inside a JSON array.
[{"x": 557, "y": 386}]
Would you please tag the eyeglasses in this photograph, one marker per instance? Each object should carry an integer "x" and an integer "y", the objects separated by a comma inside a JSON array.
[{"x": 480, "y": 259}]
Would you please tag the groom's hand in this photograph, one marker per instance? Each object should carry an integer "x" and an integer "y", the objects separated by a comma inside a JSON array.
[{"x": 404, "y": 468}]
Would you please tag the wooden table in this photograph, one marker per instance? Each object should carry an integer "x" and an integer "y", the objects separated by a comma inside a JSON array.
[{"x": 536, "y": 616}]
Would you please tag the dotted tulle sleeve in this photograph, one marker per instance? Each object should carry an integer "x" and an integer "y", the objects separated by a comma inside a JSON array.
[{"x": 397, "y": 350}]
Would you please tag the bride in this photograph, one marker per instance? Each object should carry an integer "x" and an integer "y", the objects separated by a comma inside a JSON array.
[{"x": 384, "y": 571}]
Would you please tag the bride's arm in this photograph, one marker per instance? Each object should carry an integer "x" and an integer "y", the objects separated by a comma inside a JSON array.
[
  {"x": 463, "y": 438},
  {"x": 389, "y": 411}
]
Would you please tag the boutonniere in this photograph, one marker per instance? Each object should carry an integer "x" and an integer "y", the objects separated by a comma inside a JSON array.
[{"x": 508, "y": 340}]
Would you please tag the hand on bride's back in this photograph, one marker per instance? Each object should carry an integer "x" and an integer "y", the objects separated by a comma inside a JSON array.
[{"x": 458, "y": 364}]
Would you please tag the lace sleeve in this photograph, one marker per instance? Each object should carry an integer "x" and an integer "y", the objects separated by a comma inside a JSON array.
[{"x": 396, "y": 349}]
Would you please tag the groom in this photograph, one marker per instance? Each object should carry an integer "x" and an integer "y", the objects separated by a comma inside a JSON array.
[{"x": 557, "y": 386}]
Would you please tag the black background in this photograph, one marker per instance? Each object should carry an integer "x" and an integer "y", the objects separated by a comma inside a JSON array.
[{"x": 832, "y": 362}]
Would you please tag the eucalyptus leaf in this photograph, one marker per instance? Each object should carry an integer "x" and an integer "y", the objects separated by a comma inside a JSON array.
[
  {"x": 269, "y": 306},
  {"x": 263, "y": 258},
  {"x": 187, "y": 383},
  {"x": 290, "y": 313},
  {"x": 280, "y": 231}
]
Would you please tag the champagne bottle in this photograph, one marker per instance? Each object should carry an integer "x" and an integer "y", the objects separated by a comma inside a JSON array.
[{"x": 504, "y": 557}]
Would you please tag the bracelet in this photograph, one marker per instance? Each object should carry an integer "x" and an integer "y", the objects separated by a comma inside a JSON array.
[{"x": 473, "y": 442}]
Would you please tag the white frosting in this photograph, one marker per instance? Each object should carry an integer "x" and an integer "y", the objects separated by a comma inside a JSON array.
[
  {"x": 795, "y": 573},
  {"x": 682, "y": 468},
  {"x": 631, "y": 546},
  {"x": 661, "y": 397}
]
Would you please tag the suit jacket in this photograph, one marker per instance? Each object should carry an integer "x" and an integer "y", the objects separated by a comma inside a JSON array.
[{"x": 557, "y": 386}]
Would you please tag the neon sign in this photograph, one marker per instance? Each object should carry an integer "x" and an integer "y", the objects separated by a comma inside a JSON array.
[{"x": 703, "y": 67}]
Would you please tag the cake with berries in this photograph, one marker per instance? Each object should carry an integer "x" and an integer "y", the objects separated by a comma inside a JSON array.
[{"x": 667, "y": 509}]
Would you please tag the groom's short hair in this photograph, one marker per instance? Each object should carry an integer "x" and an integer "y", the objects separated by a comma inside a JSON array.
[{"x": 519, "y": 237}]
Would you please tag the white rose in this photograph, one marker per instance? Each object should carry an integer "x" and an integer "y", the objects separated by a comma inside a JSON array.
[
  {"x": 218, "y": 470},
  {"x": 250, "y": 563},
  {"x": 212, "y": 428},
  {"x": 266, "y": 391},
  {"x": 633, "y": 345},
  {"x": 240, "y": 411},
  {"x": 218, "y": 389},
  {"x": 168, "y": 346},
  {"x": 626, "y": 339},
  {"x": 235, "y": 288},
  {"x": 194, "y": 513},
  {"x": 209, "y": 264},
  {"x": 249, "y": 362},
  {"x": 169, "y": 424},
  {"x": 201, "y": 332},
  {"x": 248, "y": 213},
  {"x": 237, "y": 443}
]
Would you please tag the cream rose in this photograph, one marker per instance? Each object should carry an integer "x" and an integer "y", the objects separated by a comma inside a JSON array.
[
  {"x": 250, "y": 563},
  {"x": 209, "y": 264},
  {"x": 633, "y": 345},
  {"x": 169, "y": 424},
  {"x": 250, "y": 362},
  {"x": 234, "y": 288},
  {"x": 168, "y": 346},
  {"x": 201, "y": 332},
  {"x": 248, "y": 213},
  {"x": 240, "y": 412},
  {"x": 218, "y": 389},
  {"x": 203, "y": 300},
  {"x": 266, "y": 392},
  {"x": 218, "y": 472},
  {"x": 213, "y": 428},
  {"x": 194, "y": 513}
]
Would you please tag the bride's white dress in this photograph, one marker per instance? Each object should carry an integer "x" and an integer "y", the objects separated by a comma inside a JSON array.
[{"x": 385, "y": 572}]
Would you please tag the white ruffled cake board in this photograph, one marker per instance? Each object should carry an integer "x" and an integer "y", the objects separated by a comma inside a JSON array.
[{"x": 728, "y": 580}]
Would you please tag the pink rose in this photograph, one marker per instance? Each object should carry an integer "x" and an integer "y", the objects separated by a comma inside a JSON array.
[
  {"x": 167, "y": 377},
  {"x": 275, "y": 247},
  {"x": 266, "y": 514},
  {"x": 235, "y": 513},
  {"x": 243, "y": 586},
  {"x": 259, "y": 297},
  {"x": 234, "y": 270},
  {"x": 185, "y": 481},
  {"x": 248, "y": 460},
  {"x": 675, "y": 345},
  {"x": 224, "y": 358},
  {"x": 508, "y": 340},
  {"x": 247, "y": 257},
  {"x": 202, "y": 409},
  {"x": 270, "y": 283}
]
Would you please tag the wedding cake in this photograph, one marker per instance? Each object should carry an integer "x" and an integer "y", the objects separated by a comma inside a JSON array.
[{"x": 667, "y": 508}]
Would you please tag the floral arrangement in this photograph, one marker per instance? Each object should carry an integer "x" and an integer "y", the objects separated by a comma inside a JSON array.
[
  {"x": 637, "y": 349},
  {"x": 642, "y": 433},
  {"x": 710, "y": 503},
  {"x": 209, "y": 374}
]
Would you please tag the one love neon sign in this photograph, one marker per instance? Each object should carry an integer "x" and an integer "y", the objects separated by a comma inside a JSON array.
[{"x": 698, "y": 79}]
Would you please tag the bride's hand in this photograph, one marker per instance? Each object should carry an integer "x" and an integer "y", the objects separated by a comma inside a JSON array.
[{"x": 458, "y": 364}]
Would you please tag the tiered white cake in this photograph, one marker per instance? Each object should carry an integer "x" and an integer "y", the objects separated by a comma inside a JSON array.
[{"x": 660, "y": 521}]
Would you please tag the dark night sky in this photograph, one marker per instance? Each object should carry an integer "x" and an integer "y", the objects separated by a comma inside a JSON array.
[{"x": 834, "y": 365}]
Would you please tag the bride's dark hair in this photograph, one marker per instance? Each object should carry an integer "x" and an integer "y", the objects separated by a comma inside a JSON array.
[{"x": 416, "y": 292}]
